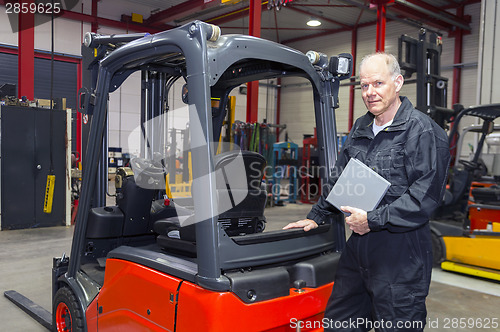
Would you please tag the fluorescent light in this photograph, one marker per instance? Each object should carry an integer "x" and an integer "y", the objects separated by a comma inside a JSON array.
[{"x": 313, "y": 22}]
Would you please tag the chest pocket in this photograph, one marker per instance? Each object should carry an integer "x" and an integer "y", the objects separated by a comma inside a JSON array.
[{"x": 391, "y": 165}]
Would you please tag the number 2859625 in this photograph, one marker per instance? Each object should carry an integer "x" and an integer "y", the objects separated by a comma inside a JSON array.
[{"x": 32, "y": 8}]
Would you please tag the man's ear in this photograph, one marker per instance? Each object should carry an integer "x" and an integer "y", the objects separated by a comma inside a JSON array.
[{"x": 399, "y": 82}]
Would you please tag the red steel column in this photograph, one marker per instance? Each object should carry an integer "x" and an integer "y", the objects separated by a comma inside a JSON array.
[
  {"x": 26, "y": 58},
  {"x": 94, "y": 25},
  {"x": 381, "y": 21},
  {"x": 354, "y": 42},
  {"x": 253, "y": 87}
]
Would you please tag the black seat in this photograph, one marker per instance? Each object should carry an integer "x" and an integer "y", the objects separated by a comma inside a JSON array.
[
  {"x": 245, "y": 215},
  {"x": 490, "y": 195},
  {"x": 243, "y": 199},
  {"x": 135, "y": 202}
]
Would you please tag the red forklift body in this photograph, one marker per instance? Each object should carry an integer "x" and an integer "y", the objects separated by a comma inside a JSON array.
[{"x": 157, "y": 296}]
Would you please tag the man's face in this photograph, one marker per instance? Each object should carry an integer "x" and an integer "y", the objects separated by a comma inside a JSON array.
[{"x": 379, "y": 90}]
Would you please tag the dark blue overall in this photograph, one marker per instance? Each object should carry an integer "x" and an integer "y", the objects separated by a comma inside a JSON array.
[{"x": 383, "y": 276}]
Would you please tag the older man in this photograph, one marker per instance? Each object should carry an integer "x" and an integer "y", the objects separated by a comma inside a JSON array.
[{"x": 384, "y": 272}]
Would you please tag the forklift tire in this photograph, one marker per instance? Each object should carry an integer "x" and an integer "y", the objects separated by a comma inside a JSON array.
[
  {"x": 66, "y": 313},
  {"x": 260, "y": 227},
  {"x": 437, "y": 250}
]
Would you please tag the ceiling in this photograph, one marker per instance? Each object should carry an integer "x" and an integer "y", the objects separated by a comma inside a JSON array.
[{"x": 285, "y": 20}]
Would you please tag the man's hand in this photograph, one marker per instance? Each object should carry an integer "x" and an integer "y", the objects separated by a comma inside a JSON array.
[
  {"x": 306, "y": 224},
  {"x": 357, "y": 221}
]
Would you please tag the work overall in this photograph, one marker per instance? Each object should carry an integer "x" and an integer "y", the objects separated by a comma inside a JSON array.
[{"x": 383, "y": 276}]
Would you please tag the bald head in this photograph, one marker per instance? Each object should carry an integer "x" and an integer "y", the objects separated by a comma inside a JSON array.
[
  {"x": 390, "y": 61},
  {"x": 381, "y": 81}
]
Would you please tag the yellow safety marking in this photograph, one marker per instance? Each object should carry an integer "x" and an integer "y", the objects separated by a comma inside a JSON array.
[
  {"x": 49, "y": 194},
  {"x": 479, "y": 250},
  {"x": 470, "y": 270}
]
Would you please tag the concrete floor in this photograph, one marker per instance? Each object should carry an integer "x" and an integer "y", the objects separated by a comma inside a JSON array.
[{"x": 26, "y": 261}]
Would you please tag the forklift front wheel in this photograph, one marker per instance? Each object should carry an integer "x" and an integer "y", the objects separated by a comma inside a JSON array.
[{"x": 66, "y": 313}]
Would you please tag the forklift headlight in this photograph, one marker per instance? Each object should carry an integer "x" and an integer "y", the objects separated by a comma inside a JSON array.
[
  {"x": 341, "y": 65},
  {"x": 87, "y": 40},
  {"x": 317, "y": 58},
  {"x": 216, "y": 32}
]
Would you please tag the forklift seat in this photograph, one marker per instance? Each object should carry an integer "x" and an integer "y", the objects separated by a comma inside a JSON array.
[
  {"x": 245, "y": 217},
  {"x": 135, "y": 202},
  {"x": 490, "y": 195}
]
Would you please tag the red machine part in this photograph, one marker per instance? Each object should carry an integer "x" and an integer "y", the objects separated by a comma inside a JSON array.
[
  {"x": 137, "y": 298},
  {"x": 480, "y": 215}
]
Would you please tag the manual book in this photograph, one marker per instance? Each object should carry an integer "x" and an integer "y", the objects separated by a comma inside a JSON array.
[{"x": 358, "y": 186}]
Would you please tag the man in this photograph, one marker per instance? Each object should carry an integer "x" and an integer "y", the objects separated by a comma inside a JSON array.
[{"x": 384, "y": 272}]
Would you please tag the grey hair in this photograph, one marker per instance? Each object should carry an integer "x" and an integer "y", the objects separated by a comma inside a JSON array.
[{"x": 390, "y": 60}]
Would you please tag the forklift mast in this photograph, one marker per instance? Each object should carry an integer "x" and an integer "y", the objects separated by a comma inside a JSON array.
[{"x": 422, "y": 56}]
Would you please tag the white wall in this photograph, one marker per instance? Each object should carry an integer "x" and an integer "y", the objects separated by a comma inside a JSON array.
[{"x": 7, "y": 35}]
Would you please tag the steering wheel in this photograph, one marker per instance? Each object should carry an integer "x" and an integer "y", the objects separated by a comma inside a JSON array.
[
  {"x": 469, "y": 165},
  {"x": 148, "y": 173},
  {"x": 478, "y": 168}
]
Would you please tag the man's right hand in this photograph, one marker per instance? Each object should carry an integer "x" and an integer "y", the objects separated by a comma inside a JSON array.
[{"x": 306, "y": 224}]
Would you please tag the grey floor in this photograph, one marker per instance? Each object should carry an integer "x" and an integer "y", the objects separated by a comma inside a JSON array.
[{"x": 26, "y": 261}]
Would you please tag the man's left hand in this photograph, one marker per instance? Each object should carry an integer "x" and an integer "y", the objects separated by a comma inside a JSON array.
[{"x": 357, "y": 221}]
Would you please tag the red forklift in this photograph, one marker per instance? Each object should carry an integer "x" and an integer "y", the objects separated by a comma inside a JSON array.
[{"x": 203, "y": 262}]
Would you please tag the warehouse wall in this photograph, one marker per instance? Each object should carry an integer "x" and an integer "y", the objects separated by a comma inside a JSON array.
[
  {"x": 296, "y": 104},
  {"x": 470, "y": 57}
]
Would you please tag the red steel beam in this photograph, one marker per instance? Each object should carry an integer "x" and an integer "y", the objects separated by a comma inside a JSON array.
[
  {"x": 321, "y": 5},
  {"x": 291, "y": 7},
  {"x": 26, "y": 58},
  {"x": 381, "y": 22},
  {"x": 278, "y": 28},
  {"x": 326, "y": 33},
  {"x": 435, "y": 12},
  {"x": 462, "y": 3},
  {"x": 94, "y": 26},
  {"x": 179, "y": 11},
  {"x": 234, "y": 15},
  {"x": 253, "y": 87},
  {"x": 407, "y": 12},
  {"x": 71, "y": 15}
]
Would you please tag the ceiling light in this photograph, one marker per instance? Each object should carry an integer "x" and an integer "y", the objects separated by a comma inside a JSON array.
[{"x": 313, "y": 22}]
